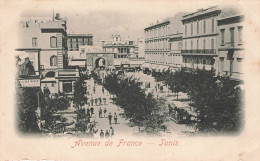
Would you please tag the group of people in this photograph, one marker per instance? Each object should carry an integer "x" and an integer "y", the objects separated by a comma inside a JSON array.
[
  {"x": 107, "y": 134},
  {"x": 97, "y": 101}
]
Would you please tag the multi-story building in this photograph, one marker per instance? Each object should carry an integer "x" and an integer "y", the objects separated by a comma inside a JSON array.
[
  {"x": 163, "y": 44},
  {"x": 175, "y": 46},
  {"x": 156, "y": 43},
  {"x": 230, "y": 44},
  {"x": 200, "y": 38},
  {"x": 123, "y": 48},
  {"x": 76, "y": 40},
  {"x": 44, "y": 43}
]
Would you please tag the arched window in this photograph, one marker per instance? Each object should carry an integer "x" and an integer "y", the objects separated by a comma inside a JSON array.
[
  {"x": 53, "y": 42},
  {"x": 53, "y": 60}
]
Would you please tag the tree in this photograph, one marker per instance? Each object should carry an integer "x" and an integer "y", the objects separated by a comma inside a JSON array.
[
  {"x": 79, "y": 92},
  {"x": 27, "y": 105}
]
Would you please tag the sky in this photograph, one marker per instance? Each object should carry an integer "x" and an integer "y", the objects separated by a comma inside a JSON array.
[{"x": 107, "y": 18}]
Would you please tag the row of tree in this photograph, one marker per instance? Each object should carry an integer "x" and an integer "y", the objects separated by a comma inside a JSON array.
[
  {"x": 217, "y": 100},
  {"x": 149, "y": 114}
]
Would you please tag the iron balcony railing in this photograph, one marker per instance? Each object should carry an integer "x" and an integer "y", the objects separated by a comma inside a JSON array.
[
  {"x": 230, "y": 44},
  {"x": 203, "y": 51}
]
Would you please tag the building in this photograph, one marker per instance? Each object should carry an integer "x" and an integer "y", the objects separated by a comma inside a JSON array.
[
  {"x": 163, "y": 44},
  {"x": 156, "y": 43},
  {"x": 124, "y": 48},
  {"x": 76, "y": 40},
  {"x": 175, "y": 47},
  {"x": 45, "y": 44},
  {"x": 200, "y": 38},
  {"x": 230, "y": 44}
]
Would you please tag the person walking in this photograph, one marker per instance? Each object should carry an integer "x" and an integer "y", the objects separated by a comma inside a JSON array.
[
  {"x": 104, "y": 100},
  {"x": 92, "y": 110},
  {"x": 100, "y": 100},
  {"x": 107, "y": 134},
  {"x": 103, "y": 90},
  {"x": 94, "y": 89},
  {"x": 111, "y": 131},
  {"x": 101, "y": 134},
  {"x": 100, "y": 112},
  {"x": 115, "y": 118},
  {"x": 96, "y": 101},
  {"x": 92, "y": 101},
  {"x": 105, "y": 111},
  {"x": 109, "y": 118}
]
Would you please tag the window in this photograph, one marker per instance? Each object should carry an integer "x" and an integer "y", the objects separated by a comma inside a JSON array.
[
  {"x": 191, "y": 28},
  {"x": 204, "y": 61},
  {"x": 204, "y": 44},
  {"x": 212, "y": 43},
  {"x": 52, "y": 84},
  {"x": 67, "y": 86},
  {"x": 34, "y": 42},
  {"x": 204, "y": 27},
  {"x": 185, "y": 30},
  {"x": 53, "y": 42},
  {"x": 185, "y": 45},
  {"x": 240, "y": 34},
  {"x": 232, "y": 37},
  {"x": 221, "y": 64},
  {"x": 232, "y": 34},
  {"x": 212, "y": 25},
  {"x": 222, "y": 37},
  {"x": 198, "y": 27},
  {"x": 53, "y": 60},
  {"x": 197, "y": 44},
  {"x": 239, "y": 59},
  {"x": 191, "y": 45}
]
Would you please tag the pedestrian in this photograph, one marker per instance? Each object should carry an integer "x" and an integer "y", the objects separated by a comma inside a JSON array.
[
  {"x": 105, "y": 111},
  {"x": 94, "y": 89},
  {"x": 100, "y": 112},
  {"x": 115, "y": 118},
  {"x": 111, "y": 131},
  {"x": 110, "y": 118},
  {"x": 92, "y": 110},
  {"x": 107, "y": 134},
  {"x": 100, "y": 100},
  {"x": 103, "y": 90},
  {"x": 101, "y": 134},
  {"x": 88, "y": 111},
  {"x": 92, "y": 101},
  {"x": 96, "y": 101},
  {"x": 104, "y": 100}
]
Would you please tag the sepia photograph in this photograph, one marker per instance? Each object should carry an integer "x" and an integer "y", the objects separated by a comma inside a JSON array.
[{"x": 121, "y": 75}]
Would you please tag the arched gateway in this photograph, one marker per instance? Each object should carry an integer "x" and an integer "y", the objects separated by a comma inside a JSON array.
[{"x": 102, "y": 59}]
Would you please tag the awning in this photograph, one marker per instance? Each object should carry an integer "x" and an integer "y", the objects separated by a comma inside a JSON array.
[
  {"x": 154, "y": 66},
  {"x": 145, "y": 65},
  {"x": 161, "y": 68}
]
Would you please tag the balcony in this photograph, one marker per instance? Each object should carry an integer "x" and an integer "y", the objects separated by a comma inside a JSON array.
[
  {"x": 199, "y": 52},
  {"x": 230, "y": 44}
]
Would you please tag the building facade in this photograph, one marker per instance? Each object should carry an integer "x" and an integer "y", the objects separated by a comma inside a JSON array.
[
  {"x": 45, "y": 44},
  {"x": 76, "y": 40},
  {"x": 156, "y": 43},
  {"x": 200, "y": 38},
  {"x": 175, "y": 47},
  {"x": 230, "y": 45},
  {"x": 123, "y": 48}
]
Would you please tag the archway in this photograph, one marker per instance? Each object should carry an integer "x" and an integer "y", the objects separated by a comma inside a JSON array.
[
  {"x": 50, "y": 74},
  {"x": 100, "y": 62}
]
